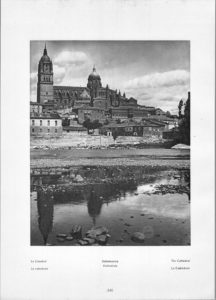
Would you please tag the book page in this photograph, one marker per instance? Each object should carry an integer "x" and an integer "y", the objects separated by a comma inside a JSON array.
[{"x": 107, "y": 125}]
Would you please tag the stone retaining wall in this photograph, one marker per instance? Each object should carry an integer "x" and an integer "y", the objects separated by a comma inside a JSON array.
[{"x": 74, "y": 139}]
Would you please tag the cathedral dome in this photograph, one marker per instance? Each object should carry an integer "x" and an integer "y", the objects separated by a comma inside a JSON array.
[{"x": 94, "y": 74}]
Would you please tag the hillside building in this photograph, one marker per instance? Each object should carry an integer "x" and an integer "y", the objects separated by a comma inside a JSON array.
[{"x": 94, "y": 96}]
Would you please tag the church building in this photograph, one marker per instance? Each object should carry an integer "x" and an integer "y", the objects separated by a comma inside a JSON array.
[{"x": 112, "y": 102}]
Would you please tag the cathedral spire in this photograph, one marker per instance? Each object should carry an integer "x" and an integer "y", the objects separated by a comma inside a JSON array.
[{"x": 45, "y": 50}]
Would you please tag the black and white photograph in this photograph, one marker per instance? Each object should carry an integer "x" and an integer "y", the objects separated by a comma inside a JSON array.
[
  {"x": 107, "y": 150},
  {"x": 110, "y": 143}
]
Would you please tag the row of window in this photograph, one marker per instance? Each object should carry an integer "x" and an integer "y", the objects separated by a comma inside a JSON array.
[
  {"x": 48, "y": 130},
  {"x": 65, "y": 93},
  {"x": 66, "y": 101},
  {"x": 41, "y": 123},
  {"x": 46, "y": 78},
  {"x": 101, "y": 94},
  {"x": 151, "y": 129}
]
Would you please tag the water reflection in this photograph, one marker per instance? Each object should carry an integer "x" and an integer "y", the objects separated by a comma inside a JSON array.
[
  {"x": 94, "y": 206},
  {"x": 45, "y": 209},
  {"x": 103, "y": 199}
]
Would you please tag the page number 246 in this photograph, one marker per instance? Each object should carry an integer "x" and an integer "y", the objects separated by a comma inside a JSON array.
[{"x": 110, "y": 290}]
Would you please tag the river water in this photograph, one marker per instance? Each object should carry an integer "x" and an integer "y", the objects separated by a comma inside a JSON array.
[{"x": 123, "y": 208}]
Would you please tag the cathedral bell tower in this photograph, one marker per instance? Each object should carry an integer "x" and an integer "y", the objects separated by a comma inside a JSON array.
[{"x": 45, "y": 79}]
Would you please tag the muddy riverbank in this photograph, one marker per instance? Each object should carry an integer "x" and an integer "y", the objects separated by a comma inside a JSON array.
[{"x": 169, "y": 158}]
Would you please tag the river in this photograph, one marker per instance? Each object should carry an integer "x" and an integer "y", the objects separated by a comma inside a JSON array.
[{"x": 156, "y": 203}]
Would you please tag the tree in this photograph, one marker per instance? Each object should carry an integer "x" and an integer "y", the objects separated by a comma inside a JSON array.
[
  {"x": 91, "y": 124},
  {"x": 180, "y": 108},
  {"x": 187, "y": 121},
  {"x": 184, "y": 125},
  {"x": 96, "y": 124},
  {"x": 115, "y": 134},
  {"x": 168, "y": 114},
  {"x": 87, "y": 124}
]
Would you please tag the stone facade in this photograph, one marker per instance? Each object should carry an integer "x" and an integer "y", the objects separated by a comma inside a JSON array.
[
  {"x": 45, "y": 79},
  {"x": 91, "y": 113}
]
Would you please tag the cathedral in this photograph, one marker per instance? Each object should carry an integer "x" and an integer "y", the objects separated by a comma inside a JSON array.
[{"x": 93, "y": 95}]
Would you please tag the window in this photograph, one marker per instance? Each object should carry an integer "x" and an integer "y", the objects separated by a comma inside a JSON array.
[
  {"x": 40, "y": 122},
  {"x": 56, "y": 130},
  {"x": 40, "y": 129},
  {"x": 56, "y": 123},
  {"x": 32, "y": 129},
  {"x": 48, "y": 130},
  {"x": 48, "y": 122},
  {"x": 33, "y": 122}
]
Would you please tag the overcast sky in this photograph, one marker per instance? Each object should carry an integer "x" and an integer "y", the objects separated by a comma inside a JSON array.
[{"x": 156, "y": 73}]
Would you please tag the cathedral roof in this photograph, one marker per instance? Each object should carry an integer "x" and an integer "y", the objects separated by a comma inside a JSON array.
[
  {"x": 85, "y": 95},
  {"x": 94, "y": 74}
]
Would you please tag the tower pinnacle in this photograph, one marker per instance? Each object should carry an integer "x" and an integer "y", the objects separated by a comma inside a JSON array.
[{"x": 45, "y": 50}]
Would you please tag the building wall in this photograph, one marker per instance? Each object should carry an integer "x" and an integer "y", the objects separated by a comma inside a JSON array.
[
  {"x": 35, "y": 108},
  {"x": 69, "y": 96},
  {"x": 45, "y": 131},
  {"x": 120, "y": 113},
  {"x": 45, "y": 92},
  {"x": 82, "y": 102},
  {"x": 46, "y": 122},
  {"x": 46, "y": 127},
  {"x": 101, "y": 103},
  {"x": 92, "y": 114},
  {"x": 153, "y": 131},
  {"x": 131, "y": 103},
  {"x": 140, "y": 113}
]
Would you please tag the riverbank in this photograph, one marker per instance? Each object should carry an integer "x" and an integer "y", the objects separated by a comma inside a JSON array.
[{"x": 168, "y": 158}]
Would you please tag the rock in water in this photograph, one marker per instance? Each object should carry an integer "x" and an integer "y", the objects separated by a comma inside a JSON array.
[
  {"x": 181, "y": 146},
  {"x": 61, "y": 235},
  {"x": 138, "y": 237},
  {"x": 148, "y": 231},
  {"x": 59, "y": 239},
  {"x": 72, "y": 175},
  {"x": 78, "y": 178},
  {"x": 76, "y": 231},
  {"x": 83, "y": 243},
  {"x": 102, "y": 239},
  {"x": 69, "y": 238},
  {"x": 91, "y": 235},
  {"x": 90, "y": 241},
  {"x": 95, "y": 231}
]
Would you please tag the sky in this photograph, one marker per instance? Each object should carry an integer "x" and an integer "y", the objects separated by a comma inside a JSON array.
[{"x": 156, "y": 73}]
